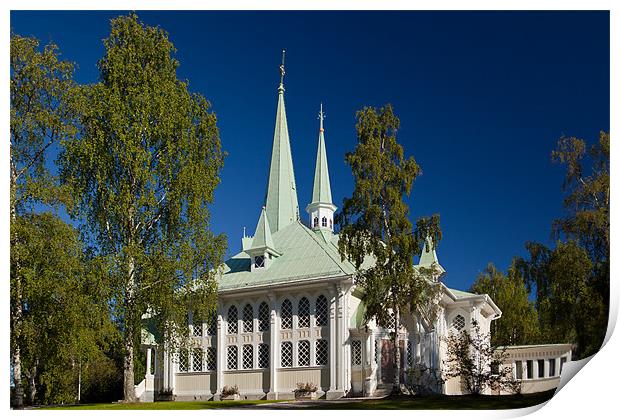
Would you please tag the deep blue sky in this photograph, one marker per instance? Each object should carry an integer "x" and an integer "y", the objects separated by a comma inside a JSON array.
[{"x": 482, "y": 99}]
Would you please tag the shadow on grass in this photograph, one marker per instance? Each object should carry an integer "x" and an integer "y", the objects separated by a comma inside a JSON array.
[{"x": 164, "y": 405}]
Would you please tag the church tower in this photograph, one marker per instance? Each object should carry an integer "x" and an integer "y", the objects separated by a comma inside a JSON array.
[
  {"x": 281, "y": 204},
  {"x": 321, "y": 209}
]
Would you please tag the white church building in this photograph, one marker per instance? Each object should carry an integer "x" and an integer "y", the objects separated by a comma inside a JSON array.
[{"x": 289, "y": 312}]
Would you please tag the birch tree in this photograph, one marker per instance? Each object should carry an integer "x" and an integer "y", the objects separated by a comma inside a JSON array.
[{"x": 143, "y": 173}]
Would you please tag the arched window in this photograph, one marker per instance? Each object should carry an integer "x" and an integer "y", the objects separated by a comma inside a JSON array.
[
  {"x": 315, "y": 222},
  {"x": 232, "y": 320},
  {"x": 287, "y": 315},
  {"x": 248, "y": 318},
  {"x": 356, "y": 353},
  {"x": 321, "y": 311},
  {"x": 263, "y": 317},
  {"x": 303, "y": 316},
  {"x": 331, "y": 224},
  {"x": 458, "y": 322},
  {"x": 303, "y": 353},
  {"x": 324, "y": 222}
]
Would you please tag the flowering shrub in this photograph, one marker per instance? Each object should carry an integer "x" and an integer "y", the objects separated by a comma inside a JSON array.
[{"x": 229, "y": 390}]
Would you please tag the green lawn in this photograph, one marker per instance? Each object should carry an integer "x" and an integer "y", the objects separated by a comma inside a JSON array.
[
  {"x": 438, "y": 402},
  {"x": 164, "y": 405}
]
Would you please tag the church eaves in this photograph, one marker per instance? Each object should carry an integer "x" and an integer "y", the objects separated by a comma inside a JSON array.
[{"x": 281, "y": 198}]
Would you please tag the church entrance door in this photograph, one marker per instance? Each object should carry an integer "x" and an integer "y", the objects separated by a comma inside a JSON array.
[{"x": 387, "y": 360}]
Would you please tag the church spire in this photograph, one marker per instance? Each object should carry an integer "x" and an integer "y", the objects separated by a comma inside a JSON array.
[
  {"x": 281, "y": 203},
  {"x": 321, "y": 209}
]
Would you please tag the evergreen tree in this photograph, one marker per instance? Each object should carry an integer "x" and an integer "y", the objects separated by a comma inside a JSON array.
[
  {"x": 143, "y": 174},
  {"x": 375, "y": 224},
  {"x": 44, "y": 111},
  {"x": 519, "y": 321}
]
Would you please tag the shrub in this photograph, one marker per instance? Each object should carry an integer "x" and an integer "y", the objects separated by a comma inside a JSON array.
[{"x": 229, "y": 390}]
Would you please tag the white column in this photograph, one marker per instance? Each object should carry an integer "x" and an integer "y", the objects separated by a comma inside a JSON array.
[
  {"x": 546, "y": 365},
  {"x": 166, "y": 369},
  {"x": 274, "y": 344},
  {"x": 148, "y": 361},
  {"x": 340, "y": 336},
  {"x": 332, "y": 339},
  {"x": 220, "y": 353}
]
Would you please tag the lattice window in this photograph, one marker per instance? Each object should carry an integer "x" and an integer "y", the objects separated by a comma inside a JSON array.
[
  {"x": 197, "y": 359},
  {"x": 356, "y": 352},
  {"x": 232, "y": 320},
  {"x": 263, "y": 356},
  {"x": 248, "y": 318},
  {"x": 286, "y": 354},
  {"x": 321, "y": 311},
  {"x": 458, "y": 323},
  {"x": 377, "y": 351},
  {"x": 197, "y": 329},
  {"x": 259, "y": 262},
  {"x": 248, "y": 356},
  {"x": 409, "y": 352},
  {"x": 392, "y": 322},
  {"x": 231, "y": 358},
  {"x": 287, "y": 315},
  {"x": 303, "y": 316},
  {"x": 183, "y": 360},
  {"x": 212, "y": 325},
  {"x": 210, "y": 358},
  {"x": 322, "y": 352},
  {"x": 303, "y": 353},
  {"x": 263, "y": 317}
]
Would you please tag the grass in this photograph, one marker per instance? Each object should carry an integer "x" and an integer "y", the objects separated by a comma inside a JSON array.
[
  {"x": 164, "y": 405},
  {"x": 438, "y": 402}
]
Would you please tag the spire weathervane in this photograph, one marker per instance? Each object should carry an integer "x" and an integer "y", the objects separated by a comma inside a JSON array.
[
  {"x": 321, "y": 117},
  {"x": 282, "y": 72}
]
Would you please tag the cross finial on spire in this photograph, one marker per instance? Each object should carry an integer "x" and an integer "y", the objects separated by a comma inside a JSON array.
[
  {"x": 282, "y": 72},
  {"x": 321, "y": 117}
]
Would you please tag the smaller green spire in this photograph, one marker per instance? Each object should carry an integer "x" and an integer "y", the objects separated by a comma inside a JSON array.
[
  {"x": 322, "y": 192},
  {"x": 262, "y": 236}
]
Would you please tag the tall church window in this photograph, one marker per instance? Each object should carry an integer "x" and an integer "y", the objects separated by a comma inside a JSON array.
[
  {"x": 518, "y": 369},
  {"x": 321, "y": 311},
  {"x": 356, "y": 352},
  {"x": 458, "y": 322},
  {"x": 248, "y": 356},
  {"x": 232, "y": 320},
  {"x": 286, "y": 350},
  {"x": 551, "y": 367},
  {"x": 409, "y": 353},
  {"x": 324, "y": 221},
  {"x": 315, "y": 222},
  {"x": 212, "y": 325},
  {"x": 303, "y": 315},
  {"x": 210, "y": 359},
  {"x": 248, "y": 318},
  {"x": 287, "y": 315},
  {"x": 197, "y": 358},
  {"x": 231, "y": 358},
  {"x": 263, "y": 317},
  {"x": 322, "y": 352},
  {"x": 303, "y": 353},
  {"x": 183, "y": 360},
  {"x": 263, "y": 356},
  {"x": 331, "y": 224}
]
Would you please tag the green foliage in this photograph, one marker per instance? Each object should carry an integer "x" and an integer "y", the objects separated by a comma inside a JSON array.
[
  {"x": 480, "y": 366},
  {"x": 143, "y": 174},
  {"x": 59, "y": 286},
  {"x": 519, "y": 321},
  {"x": 375, "y": 222}
]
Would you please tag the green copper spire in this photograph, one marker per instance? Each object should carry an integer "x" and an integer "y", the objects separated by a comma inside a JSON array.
[
  {"x": 262, "y": 236},
  {"x": 281, "y": 198},
  {"x": 322, "y": 192}
]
